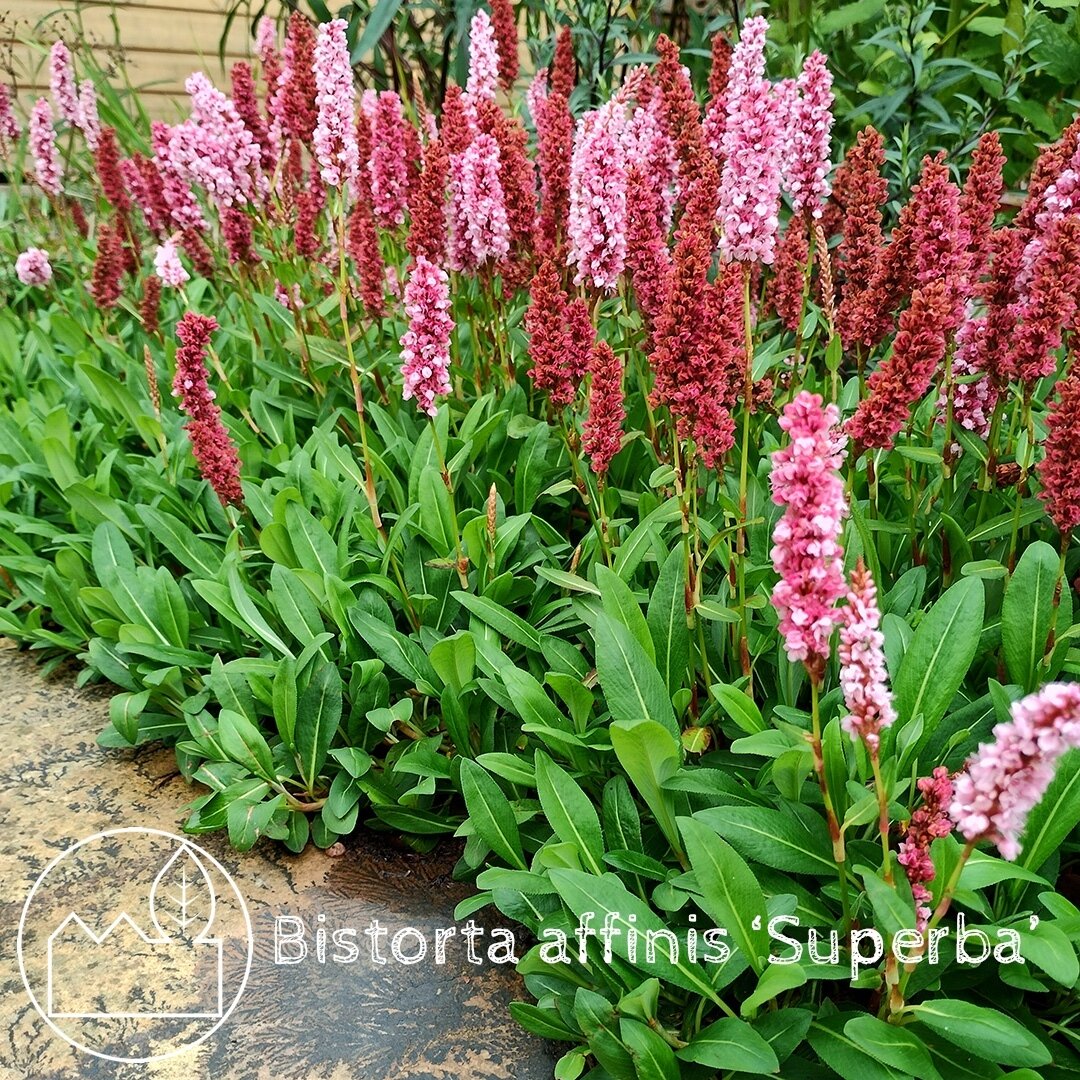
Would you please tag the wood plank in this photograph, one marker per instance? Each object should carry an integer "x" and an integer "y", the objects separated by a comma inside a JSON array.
[
  {"x": 54, "y": 7},
  {"x": 147, "y": 70},
  {"x": 168, "y": 103},
  {"x": 34, "y": 11},
  {"x": 195, "y": 30},
  {"x": 163, "y": 42}
]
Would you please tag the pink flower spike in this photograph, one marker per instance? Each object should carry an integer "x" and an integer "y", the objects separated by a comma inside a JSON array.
[
  {"x": 480, "y": 228},
  {"x": 43, "y": 147},
  {"x": 483, "y": 59},
  {"x": 806, "y": 550},
  {"x": 214, "y": 148},
  {"x": 596, "y": 225},
  {"x": 973, "y": 400},
  {"x": 32, "y": 267},
  {"x": 425, "y": 345},
  {"x": 335, "y": 130},
  {"x": 168, "y": 267},
  {"x": 176, "y": 193},
  {"x": 940, "y": 236},
  {"x": 62, "y": 82},
  {"x": 752, "y": 147},
  {"x": 785, "y": 105},
  {"x": 537, "y": 94},
  {"x": 900, "y": 381},
  {"x": 369, "y": 102},
  {"x": 266, "y": 41},
  {"x": 648, "y": 145},
  {"x": 9, "y": 125},
  {"x": 1060, "y": 199},
  {"x": 1004, "y": 780},
  {"x": 1049, "y": 302},
  {"x": 602, "y": 435},
  {"x": 504, "y": 24},
  {"x": 929, "y": 823},
  {"x": 812, "y": 122},
  {"x": 290, "y": 301},
  {"x": 1059, "y": 469},
  {"x": 214, "y": 451},
  {"x": 389, "y": 168},
  {"x": 863, "y": 677},
  {"x": 89, "y": 123}
]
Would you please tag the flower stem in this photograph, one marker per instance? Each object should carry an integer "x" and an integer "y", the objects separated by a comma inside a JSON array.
[
  {"x": 599, "y": 523},
  {"x": 796, "y": 360},
  {"x": 740, "y": 549},
  {"x": 896, "y": 1002},
  {"x": 950, "y": 408},
  {"x": 354, "y": 375},
  {"x": 462, "y": 562},
  {"x": 839, "y": 853},
  {"x": 883, "y": 816}
]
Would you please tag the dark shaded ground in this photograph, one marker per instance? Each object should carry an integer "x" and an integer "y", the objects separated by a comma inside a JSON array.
[{"x": 308, "y": 1021}]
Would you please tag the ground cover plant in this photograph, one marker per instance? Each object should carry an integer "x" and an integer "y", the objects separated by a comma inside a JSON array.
[{"x": 683, "y": 523}]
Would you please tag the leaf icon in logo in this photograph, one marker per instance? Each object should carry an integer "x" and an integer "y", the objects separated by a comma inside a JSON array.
[{"x": 182, "y": 900}]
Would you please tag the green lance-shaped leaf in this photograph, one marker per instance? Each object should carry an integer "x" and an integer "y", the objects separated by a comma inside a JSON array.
[
  {"x": 491, "y": 813},
  {"x": 730, "y": 894},
  {"x": 285, "y": 701},
  {"x": 1055, "y": 816},
  {"x": 634, "y": 689},
  {"x": 794, "y": 840},
  {"x": 606, "y": 895},
  {"x": 569, "y": 811},
  {"x": 1027, "y": 613},
  {"x": 621, "y": 605},
  {"x": 503, "y": 621},
  {"x": 938, "y": 658},
  {"x": 844, "y": 1055},
  {"x": 252, "y": 618},
  {"x": 596, "y": 1017},
  {"x": 318, "y": 713},
  {"x": 732, "y": 1045},
  {"x": 398, "y": 652},
  {"x": 987, "y": 1033},
  {"x": 667, "y": 621},
  {"x": 244, "y": 743},
  {"x": 124, "y": 712},
  {"x": 653, "y": 1058},
  {"x": 651, "y": 755},
  {"x": 897, "y": 1047},
  {"x": 454, "y": 659},
  {"x": 248, "y": 819},
  {"x": 314, "y": 546},
  {"x": 543, "y": 1022}
]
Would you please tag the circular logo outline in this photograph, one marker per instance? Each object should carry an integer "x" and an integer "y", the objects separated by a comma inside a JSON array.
[{"x": 182, "y": 840}]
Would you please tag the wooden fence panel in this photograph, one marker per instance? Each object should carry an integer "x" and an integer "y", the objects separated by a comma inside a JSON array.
[{"x": 163, "y": 41}]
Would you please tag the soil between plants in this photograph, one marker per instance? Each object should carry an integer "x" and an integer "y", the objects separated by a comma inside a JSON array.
[{"x": 309, "y": 1021}]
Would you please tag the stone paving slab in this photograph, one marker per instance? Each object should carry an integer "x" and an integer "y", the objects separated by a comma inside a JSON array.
[{"x": 308, "y": 1021}]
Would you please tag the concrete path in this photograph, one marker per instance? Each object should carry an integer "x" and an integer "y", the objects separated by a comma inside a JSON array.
[{"x": 307, "y": 1021}]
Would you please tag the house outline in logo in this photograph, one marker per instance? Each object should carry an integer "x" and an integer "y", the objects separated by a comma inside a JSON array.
[{"x": 126, "y": 920}]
